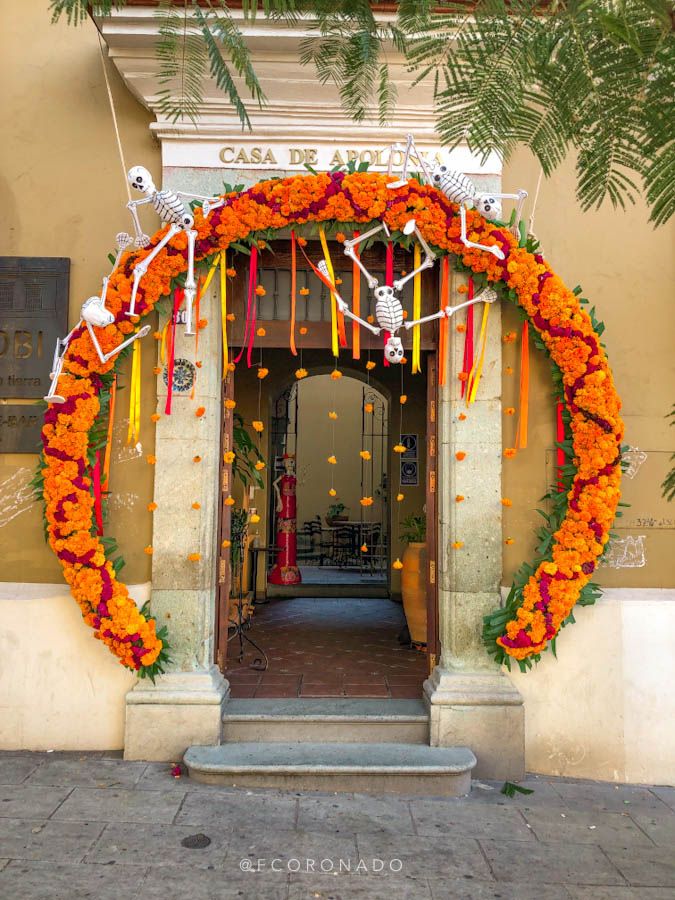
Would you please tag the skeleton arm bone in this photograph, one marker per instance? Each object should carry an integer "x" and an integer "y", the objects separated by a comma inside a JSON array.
[
  {"x": 429, "y": 256},
  {"x": 496, "y": 251},
  {"x": 142, "y": 239},
  {"x": 342, "y": 306},
  {"x": 487, "y": 295},
  {"x": 350, "y": 251}
]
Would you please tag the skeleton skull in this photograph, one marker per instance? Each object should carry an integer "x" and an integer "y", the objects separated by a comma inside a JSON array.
[
  {"x": 488, "y": 206},
  {"x": 94, "y": 313},
  {"x": 141, "y": 179},
  {"x": 393, "y": 350}
]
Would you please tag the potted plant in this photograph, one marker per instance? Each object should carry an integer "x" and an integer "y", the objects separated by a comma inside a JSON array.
[
  {"x": 414, "y": 577},
  {"x": 336, "y": 514}
]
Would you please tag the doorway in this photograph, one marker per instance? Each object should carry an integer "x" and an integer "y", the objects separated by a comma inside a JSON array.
[{"x": 339, "y": 631}]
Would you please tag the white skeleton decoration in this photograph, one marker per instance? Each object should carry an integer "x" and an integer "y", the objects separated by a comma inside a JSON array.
[
  {"x": 458, "y": 188},
  {"x": 172, "y": 209},
  {"x": 388, "y": 309},
  {"x": 93, "y": 314}
]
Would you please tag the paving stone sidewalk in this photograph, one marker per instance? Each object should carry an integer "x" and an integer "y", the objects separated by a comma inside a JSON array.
[{"x": 75, "y": 826}]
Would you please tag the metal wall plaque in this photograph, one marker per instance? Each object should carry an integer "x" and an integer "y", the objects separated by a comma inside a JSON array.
[
  {"x": 20, "y": 427},
  {"x": 33, "y": 313}
]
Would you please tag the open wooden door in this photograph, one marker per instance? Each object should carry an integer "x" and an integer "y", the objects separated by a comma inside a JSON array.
[
  {"x": 433, "y": 643},
  {"x": 224, "y": 530}
]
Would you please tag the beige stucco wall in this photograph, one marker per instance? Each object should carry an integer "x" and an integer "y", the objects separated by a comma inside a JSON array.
[{"x": 62, "y": 193}]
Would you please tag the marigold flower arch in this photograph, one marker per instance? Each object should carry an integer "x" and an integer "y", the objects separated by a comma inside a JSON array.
[{"x": 542, "y": 600}]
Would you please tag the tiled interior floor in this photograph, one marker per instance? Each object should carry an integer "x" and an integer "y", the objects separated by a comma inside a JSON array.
[
  {"x": 335, "y": 647},
  {"x": 334, "y": 575}
]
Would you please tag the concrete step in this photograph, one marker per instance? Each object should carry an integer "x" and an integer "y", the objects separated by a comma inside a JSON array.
[
  {"x": 397, "y": 768},
  {"x": 337, "y": 720}
]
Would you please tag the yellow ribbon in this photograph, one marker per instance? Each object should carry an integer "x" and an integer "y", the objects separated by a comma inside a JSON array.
[
  {"x": 162, "y": 346},
  {"x": 417, "y": 310},
  {"x": 134, "y": 429},
  {"x": 477, "y": 369},
  {"x": 223, "y": 309},
  {"x": 333, "y": 305}
]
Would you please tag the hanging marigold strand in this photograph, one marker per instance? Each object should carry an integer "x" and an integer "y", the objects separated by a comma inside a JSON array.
[
  {"x": 223, "y": 310},
  {"x": 109, "y": 436},
  {"x": 294, "y": 285}
]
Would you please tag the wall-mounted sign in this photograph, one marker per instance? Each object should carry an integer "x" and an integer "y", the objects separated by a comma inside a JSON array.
[
  {"x": 33, "y": 313},
  {"x": 20, "y": 427},
  {"x": 409, "y": 460}
]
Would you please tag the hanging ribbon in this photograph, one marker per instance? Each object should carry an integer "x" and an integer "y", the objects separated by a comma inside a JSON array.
[
  {"x": 294, "y": 285},
  {"x": 134, "y": 428},
  {"x": 109, "y": 437},
  {"x": 417, "y": 310},
  {"x": 560, "y": 437},
  {"x": 177, "y": 300},
  {"x": 477, "y": 370},
  {"x": 251, "y": 307},
  {"x": 223, "y": 310},
  {"x": 521, "y": 431},
  {"x": 356, "y": 306},
  {"x": 162, "y": 345},
  {"x": 444, "y": 323},
  {"x": 388, "y": 280},
  {"x": 198, "y": 301},
  {"x": 467, "y": 363},
  {"x": 98, "y": 496},
  {"x": 337, "y": 319}
]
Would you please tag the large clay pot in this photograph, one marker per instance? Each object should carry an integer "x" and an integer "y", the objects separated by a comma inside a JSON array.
[{"x": 414, "y": 591}]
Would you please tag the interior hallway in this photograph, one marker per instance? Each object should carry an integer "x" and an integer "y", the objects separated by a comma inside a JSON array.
[{"x": 328, "y": 647}]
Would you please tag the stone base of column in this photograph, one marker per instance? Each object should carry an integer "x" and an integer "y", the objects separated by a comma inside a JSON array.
[
  {"x": 482, "y": 711},
  {"x": 180, "y": 709}
]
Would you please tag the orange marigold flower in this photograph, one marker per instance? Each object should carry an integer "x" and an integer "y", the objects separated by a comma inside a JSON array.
[
  {"x": 196, "y": 505},
  {"x": 257, "y": 425},
  {"x": 263, "y": 372},
  {"x": 368, "y": 407},
  {"x": 148, "y": 550},
  {"x": 509, "y": 541},
  {"x": 338, "y": 281},
  {"x": 370, "y": 319},
  {"x": 231, "y": 367},
  {"x": 155, "y": 417},
  {"x": 509, "y": 337},
  {"x": 332, "y": 415},
  {"x": 461, "y": 328},
  {"x": 510, "y": 411},
  {"x": 370, "y": 365},
  {"x": 226, "y": 544},
  {"x": 260, "y": 291},
  {"x": 508, "y": 370},
  {"x": 303, "y": 330},
  {"x": 230, "y": 272},
  {"x": 228, "y": 457},
  {"x": 229, "y": 501},
  {"x": 457, "y": 545},
  {"x": 254, "y": 518},
  {"x": 510, "y": 452},
  {"x": 340, "y": 237},
  {"x": 230, "y": 404},
  {"x": 364, "y": 548},
  {"x": 463, "y": 289},
  {"x": 460, "y": 455},
  {"x": 301, "y": 373},
  {"x": 399, "y": 448},
  {"x": 152, "y": 506},
  {"x": 202, "y": 323},
  {"x": 405, "y": 313},
  {"x": 397, "y": 564},
  {"x": 259, "y": 466},
  {"x": 461, "y": 417},
  {"x": 506, "y": 501},
  {"x": 399, "y": 497},
  {"x": 196, "y": 459},
  {"x": 304, "y": 292},
  {"x": 261, "y": 244},
  {"x": 365, "y": 454},
  {"x": 198, "y": 363},
  {"x": 230, "y": 317},
  {"x": 199, "y": 412},
  {"x": 332, "y": 492},
  {"x": 459, "y": 498},
  {"x": 336, "y": 374},
  {"x": 157, "y": 370},
  {"x": 366, "y": 501},
  {"x": 194, "y": 557},
  {"x": 403, "y": 399},
  {"x": 302, "y": 241},
  {"x": 463, "y": 376},
  {"x": 151, "y": 459},
  {"x": 157, "y": 335},
  {"x": 404, "y": 360},
  {"x": 332, "y": 459}
]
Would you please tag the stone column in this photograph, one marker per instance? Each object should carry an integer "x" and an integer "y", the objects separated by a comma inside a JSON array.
[
  {"x": 184, "y": 706},
  {"x": 472, "y": 702}
]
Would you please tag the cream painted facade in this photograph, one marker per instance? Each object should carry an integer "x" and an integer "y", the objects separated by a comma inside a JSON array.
[{"x": 603, "y": 708}]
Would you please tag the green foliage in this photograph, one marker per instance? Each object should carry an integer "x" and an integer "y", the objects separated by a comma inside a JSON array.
[
  {"x": 591, "y": 79},
  {"x": 414, "y": 530},
  {"x": 335, "y": 510},
  {"x": 668, "y": 486},
  {"x": 509, "y": 789},
  {"x": 246, "y": 455}
]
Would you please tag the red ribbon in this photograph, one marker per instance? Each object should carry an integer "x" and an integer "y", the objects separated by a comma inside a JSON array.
[
  {"x": 98, "y": 494},
  {"x": 560, "y": 437},
  {"x": 251, "y": 309},
  {"x": 467, "y": 364},
  {"x": 177, "y": 300},
  {"x": 388, "y": 280}
]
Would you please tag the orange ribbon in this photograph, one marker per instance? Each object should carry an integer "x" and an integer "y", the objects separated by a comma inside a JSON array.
[
  {"x": 294, "y": 283},
  {"x": 521, "y": 431}
]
